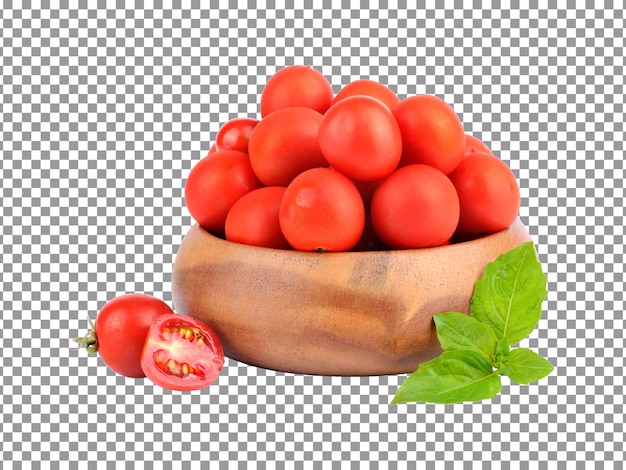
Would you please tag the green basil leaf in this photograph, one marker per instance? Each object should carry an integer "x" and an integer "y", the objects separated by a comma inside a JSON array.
[
  {"x": 458, "y": 331},
  {"x": 453, "y": 377},
  {"x": 508, "y": 296},
  {"x": 502, "y": 350},
  {"x": 525, "y": 366}
]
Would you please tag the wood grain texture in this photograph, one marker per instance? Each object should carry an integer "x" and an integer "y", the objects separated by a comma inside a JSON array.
[{"x": 366, "y": 313}]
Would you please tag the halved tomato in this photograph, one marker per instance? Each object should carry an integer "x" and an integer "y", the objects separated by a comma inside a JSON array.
[{"x": 181, "y": 353}]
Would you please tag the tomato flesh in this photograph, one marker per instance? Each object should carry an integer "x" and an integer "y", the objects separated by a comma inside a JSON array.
[{"x": 182, "y": 353}]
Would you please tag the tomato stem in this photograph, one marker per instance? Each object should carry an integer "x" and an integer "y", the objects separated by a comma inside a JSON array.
[{"x": 90, "y": 340}]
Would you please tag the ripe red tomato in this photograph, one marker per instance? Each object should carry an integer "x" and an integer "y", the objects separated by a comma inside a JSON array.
[
  {"x": 120, "y": 331},
  {"x": 488, "y": 193},
  {"x": 215, "y": 183},
  {"x": 181, "y": 353},
  {"x": 415, "y": 207},
  {"x": 253, "y": 219},
  {"x": 284, "y": 144},
  {"x": 212, "y": 150},
  {"x": 296, "y": 86},
  {"x": 474, "y": 144},
  {"x": 369, "y": 88},
  {"x": 322, "y": 211},
  {"x": 432, "y": 133},
  {"x": 235, "y": 134},
  {"x": 360, "y": 137}
]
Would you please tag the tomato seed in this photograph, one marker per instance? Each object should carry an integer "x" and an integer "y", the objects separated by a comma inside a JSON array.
[
  {"x": 159, "y": 357},
  {"x": 188, "y": 333},
  {"x": 171, "y": 366}
]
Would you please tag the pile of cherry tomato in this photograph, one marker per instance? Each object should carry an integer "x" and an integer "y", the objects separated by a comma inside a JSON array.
[{"x": 359, "y": 170}]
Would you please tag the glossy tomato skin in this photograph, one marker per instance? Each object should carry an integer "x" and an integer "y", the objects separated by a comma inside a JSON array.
[
  {"x": 415, "y": 207},
  {"x": 322, "y": 211},
  {"x": 488, "y": 193},
  {"x": 215, "y": 183},
  {"x": 253, "y": 219},
  {"x": 360, "y": 137},
  {"x": 474, "y": 144},
  {"x": 235, "y": 134},
  {"x": 181, "y": 353},
  {"x": 121, "y": 327},
  {"x": 432, "y": 133},
  {"x": 369, "y": 88},
  {"x": 284, "y": 144},
  {"x": 296, "y": 86}
]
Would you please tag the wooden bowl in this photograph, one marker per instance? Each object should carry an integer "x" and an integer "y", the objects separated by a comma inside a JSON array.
[{"x": 355, "y": 313}]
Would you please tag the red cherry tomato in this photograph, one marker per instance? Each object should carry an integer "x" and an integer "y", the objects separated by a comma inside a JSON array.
[
  {"x": 120, "y": 331},
  {"x": 360, "y": 137},
  {"x": 369, "y": 88},
  {"x": 253, "y": 219},
  {"x": 215, "y": 183},
  {"x": 235, "y": 134},
  {"x": 416, "y": 207},
  {"x": 296, "y": 86},
  {"x": 432, "y": 133},
  {"x": 322, "y": 211},
  {"x": 284, "y": 144},
  {"x": 212, "y": 150},
  {"x": 181, "y": 353},
  {"x": 474, "y": 144},
  {"x": 488, "y": 193}
]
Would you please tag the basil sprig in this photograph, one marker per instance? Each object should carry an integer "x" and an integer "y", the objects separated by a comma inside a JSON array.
[{"x": 505, "y": 308}]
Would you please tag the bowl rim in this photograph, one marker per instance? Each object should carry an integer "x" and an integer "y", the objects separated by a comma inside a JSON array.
[{"x": 517, "y": 224}]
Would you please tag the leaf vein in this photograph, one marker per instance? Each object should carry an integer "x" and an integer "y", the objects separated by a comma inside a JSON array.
[{"x": 510, "y": 306}]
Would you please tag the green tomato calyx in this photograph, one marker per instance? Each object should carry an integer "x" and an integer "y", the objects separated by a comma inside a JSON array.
[{"x": 90, "y": 340}]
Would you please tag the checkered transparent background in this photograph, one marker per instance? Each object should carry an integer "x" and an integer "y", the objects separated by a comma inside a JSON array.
[{"x": 105, "y": 107}]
